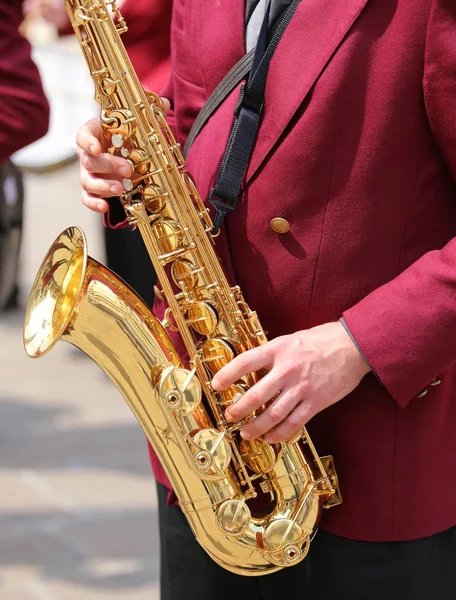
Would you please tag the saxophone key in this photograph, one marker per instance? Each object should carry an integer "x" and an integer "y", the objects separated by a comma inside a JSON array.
[
  {"x": 154, "y": 198},
  {"x": 233, "y": 516},
  {"x": 119, "y": 124},
  {"x": 216, "y": 353},
  {"x": 117, "y": 140},
  {"x": 80, "y": 16},
  {"x": 108, "y": 86},
  {"x": 139, "y": 161},
  {"x": 260, "y": 456},
  {"x": 232, "y": 394},
  {"x": 213, "y": 454},
  {"x": 180, "y": 389},
  {"x": 203, "y": 317},
  {"x": 169, "y": 235},
  {"x": 128, "y": 185},
  {"x": 185, "y": 274}
]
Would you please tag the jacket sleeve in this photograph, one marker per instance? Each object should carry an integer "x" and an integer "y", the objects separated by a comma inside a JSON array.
[
  {"x": 407, "y": 328},
  {"x": 24, "y": 111}
]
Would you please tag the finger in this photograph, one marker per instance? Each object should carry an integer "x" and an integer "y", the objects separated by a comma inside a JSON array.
[
  {"x": 275, "y": 413},
  {"x": 166, "y": 105},
  {"x": 247, "y": 362},
  {"x": 292, "y": 424},
  {"x": 94, "y": 202},
  {"x": 105, "y": 163},
  {"x": 98, "y": 186},
  {"x": 90, "y": 137},
  {"x": 260, "y": 393}
]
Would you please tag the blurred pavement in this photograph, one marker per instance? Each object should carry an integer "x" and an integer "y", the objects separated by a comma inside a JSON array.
[{"x": 77, "y": 500}]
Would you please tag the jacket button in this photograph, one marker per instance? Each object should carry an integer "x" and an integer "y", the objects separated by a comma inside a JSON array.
[
  {"x": 435, "y": 382},
  {"x": 280, "y": 225},
  {"x": 422, "y": 393}
]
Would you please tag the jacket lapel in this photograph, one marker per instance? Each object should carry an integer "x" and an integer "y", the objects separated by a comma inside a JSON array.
[{"x": 313, "y": 35}]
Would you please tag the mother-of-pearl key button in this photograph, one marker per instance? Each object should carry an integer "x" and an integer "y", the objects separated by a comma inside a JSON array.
[
  {"x": 128, "y": 184},
  {"x": 117, "y": 140}
]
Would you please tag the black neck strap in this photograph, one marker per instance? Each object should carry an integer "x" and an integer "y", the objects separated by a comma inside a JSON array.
[{"x": 226, "y": 193}]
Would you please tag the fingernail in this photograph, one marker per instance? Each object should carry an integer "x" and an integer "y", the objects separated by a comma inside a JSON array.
[
  {"x": 215, "y": 383},
  {"x": 114, "y": 189},
  {"x": 101, "y": 206},
  {"x": 245, "y": 435},
  {"x": 228, "y": 416},
  {"x": 93, "y": 148}
]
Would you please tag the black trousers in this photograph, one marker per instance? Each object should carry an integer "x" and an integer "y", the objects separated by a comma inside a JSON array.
[
  {"x": 127, "y": 256},
  {"x": 335, "y": 568}
]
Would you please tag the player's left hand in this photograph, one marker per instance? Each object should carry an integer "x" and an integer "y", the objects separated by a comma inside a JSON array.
[{"x": 309, "y": 370}]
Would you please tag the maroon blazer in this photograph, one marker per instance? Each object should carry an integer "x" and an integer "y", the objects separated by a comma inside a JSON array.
[
  {"x": 357, "y": 150},
  {"x": 147, "y": 39},
  {"x": 24, "y": 111}
]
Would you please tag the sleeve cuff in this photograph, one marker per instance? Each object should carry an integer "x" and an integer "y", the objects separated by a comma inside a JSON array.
[{"x": 352, "y": 337}]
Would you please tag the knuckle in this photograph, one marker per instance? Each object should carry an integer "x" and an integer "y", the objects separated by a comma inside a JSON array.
[
  {"x": 276, "y": 414},
  {"x": 278, "y": 342},
  {"x": 297, "y": 342},
  {"x": 82, "y": 136},
  {"x": 287, "y": 369},
  {"x": 271, "y": 349},
  {"x": 295, "y": 421},
  {"x": 273, "y": 344},
  {"x": 254, "y": 397},
  {"x": 114, "y": 164},
  {"x": 79, "y": 140},
  {"x": 111, "y": 163},
  {"x": 304, "y": 388},
  {"x": 83, "y": 179},
  {"x": 243, "y": 361},
  {"x": 105, "y": 189},
  {"x": 85, "y": 161},
  {"x": 85, "y": 199}
]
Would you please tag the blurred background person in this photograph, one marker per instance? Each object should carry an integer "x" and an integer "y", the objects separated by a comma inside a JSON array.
[
  {"x": 24, "y": 118},
  {"x": 148, "y": 44}
]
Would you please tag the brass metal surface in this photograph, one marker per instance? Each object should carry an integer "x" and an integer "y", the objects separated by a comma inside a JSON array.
[
  {"x": 252, "y": 506},
  {"x": 280, "y": 225}
]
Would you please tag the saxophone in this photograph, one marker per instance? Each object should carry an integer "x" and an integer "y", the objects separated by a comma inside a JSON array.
[{"x": 253, "y": 506}]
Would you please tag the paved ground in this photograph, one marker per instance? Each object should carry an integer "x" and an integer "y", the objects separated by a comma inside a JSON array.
[{"x": 77, "y": 501}]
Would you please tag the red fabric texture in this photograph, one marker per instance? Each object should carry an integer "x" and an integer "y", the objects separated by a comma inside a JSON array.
[
  {"x": 357, "y": 150},
  {"x": 148, "y": 39},
  {"x": 24, "y": 111}
]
